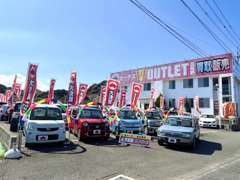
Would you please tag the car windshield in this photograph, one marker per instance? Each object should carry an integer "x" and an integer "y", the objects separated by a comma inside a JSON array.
[
  {"x": 154, "y": 115},
  {"x": 208, "y": 116},
  {"x": 90, "y": 114},
  {"x": 178, "y": 121},
  {"x": 128, "y": 114},
  {"x": 43, "y": 113},
  {"x": 17, "y": 107}
]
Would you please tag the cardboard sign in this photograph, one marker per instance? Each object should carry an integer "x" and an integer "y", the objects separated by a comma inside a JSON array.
[{"x": 135, "y": 139}]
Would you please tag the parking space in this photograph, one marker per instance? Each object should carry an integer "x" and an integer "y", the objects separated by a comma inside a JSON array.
[{"x": 97, "y": 160}]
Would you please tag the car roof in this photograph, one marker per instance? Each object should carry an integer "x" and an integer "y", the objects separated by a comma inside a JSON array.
[
  {"x": 180, "y": 116},
  {"x": 47, "y": 105}
]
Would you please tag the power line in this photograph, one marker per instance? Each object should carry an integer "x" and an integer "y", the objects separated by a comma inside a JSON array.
[
  {"x": 169, "y": 29},
  {"x": 222, "y": 23},
  {"x": 215, "y": 37},
  {"x": 224, "y": 17},
  {"x": 215, "y": 24}
]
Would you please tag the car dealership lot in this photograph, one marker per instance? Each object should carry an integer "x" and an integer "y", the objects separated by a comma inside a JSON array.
[{"x": 217, "y": 152}]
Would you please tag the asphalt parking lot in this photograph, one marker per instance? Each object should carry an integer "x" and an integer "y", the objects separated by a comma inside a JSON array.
[{"x": 216, "y": 157}]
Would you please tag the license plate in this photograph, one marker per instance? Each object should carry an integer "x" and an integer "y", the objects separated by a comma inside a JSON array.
[
  {"x": 96, "y": 131},
  {"x": 42, "y": 138},
  {"x": 172, "y": 140}
]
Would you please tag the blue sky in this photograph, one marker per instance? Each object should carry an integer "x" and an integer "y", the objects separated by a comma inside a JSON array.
[{"x": 96, "y": 37}]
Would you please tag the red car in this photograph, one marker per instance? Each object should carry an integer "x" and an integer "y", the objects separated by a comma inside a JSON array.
[{"x": 89, "y": 123}]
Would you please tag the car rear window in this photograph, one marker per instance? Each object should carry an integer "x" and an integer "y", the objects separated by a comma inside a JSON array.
[
  {"x": 46, "y": 114},
  {"x": 90, "y": 114}
]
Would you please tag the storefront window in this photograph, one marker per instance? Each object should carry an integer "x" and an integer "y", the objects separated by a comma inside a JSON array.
[
  {"x": 188, "y": 83},
  {"x": 204, "y": 102},
  {"x": 203, "y": 82},
  {"x": 172, "y": 84},
  {"x": 147, "y": 86}
]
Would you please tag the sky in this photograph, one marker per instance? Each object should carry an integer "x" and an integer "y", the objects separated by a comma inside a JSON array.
[{"x": 97, "y": 37}]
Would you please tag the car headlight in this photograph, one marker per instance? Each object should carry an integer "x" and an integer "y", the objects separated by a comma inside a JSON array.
[
  {"x": 161, "y": 133},
  {"x": 85, "y": 124},
  {"x": 31, "y": 127},
  {"x": 186, "y": 135}
]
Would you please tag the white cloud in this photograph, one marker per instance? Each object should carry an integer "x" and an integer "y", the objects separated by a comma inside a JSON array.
[{"x": 7, "y": 80}]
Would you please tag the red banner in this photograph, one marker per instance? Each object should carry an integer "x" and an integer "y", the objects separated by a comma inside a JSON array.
[
  {"x": 135, "y": 95},
  {"x": 102, "y": 94},
  {"x": 2, "y": 98},
  {"x": 82, "y": 92},
  {"x": 196, "y": 104},
  {"x": 31, "y": 84},
  {"x": 51, "y": 91},
  {"x": 72, "y": 89},
  {"x": 123, "y": 96},
  {"x": 111, "y": 92},
  {"x": 18, "y": 90}
]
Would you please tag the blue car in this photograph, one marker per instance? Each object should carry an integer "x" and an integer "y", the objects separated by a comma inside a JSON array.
[{"x": 130, "y": 121}]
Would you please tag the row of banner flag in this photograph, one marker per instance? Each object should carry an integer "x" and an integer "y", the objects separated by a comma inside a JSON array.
[{"x": 75, "y": 96}]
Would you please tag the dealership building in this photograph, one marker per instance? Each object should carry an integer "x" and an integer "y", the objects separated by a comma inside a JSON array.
[{"x": 215, "y": 80}]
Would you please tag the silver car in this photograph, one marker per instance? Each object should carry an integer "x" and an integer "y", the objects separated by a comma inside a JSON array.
[{"x": 179, "y": 130}]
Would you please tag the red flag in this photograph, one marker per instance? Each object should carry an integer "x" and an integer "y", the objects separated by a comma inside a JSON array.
[
  {"x": 196, "y": 104},
  {"x": 72, "y": 89},
  {"x": 30, "y": 84},
  {"x": 82, "y": 93},
  {"x": 122, "y": 101},
  {"x": 51, "y": 91},
  {"x": 111, "y": 92},
  {"x": 102, "y": 94},
  {"x": 135, "y": 95},
  {"x": 18, "y": 90},
  {"x": 8, "y": 94}
]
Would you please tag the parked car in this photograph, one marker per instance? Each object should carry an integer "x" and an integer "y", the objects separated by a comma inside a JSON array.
[
  {"x": 130, "y": 121},
  {"x": 89, "y": 122},
  {"x": 44, "y": 125},
  {"x": 153, "y": 122},
  {"x": 63, "y": 108},
  {"x": 208, "y": 120},
  {"x": 179, "y": 130},
  {"x": 15, "y": 116},
  {"x": 4, "y": 112}
]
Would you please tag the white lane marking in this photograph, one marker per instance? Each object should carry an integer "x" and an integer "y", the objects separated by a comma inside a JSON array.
[
  {"x": 121, "y": 177},
  {"x": 197, "y": 174}
]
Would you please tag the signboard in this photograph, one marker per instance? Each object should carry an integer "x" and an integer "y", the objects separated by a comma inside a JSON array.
[
  {"x": 186, "y": 69},
  {"x": 135, "y": 139},
  {"x": 135, "y": 94}
]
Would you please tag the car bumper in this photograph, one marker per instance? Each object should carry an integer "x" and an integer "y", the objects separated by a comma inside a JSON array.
[
  {"x": 175, "y": 140},
  {"x": 203, "y": 124},
  {"x": 90, "y": 134},
  {"x": 152, "y": 130},
  {"x": 32, "y": 137}
]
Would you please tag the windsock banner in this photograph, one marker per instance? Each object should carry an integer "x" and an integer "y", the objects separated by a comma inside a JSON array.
[
  {"x": 8, "y": 94},
  {"x": 122, "y": 101},
  {"x": 82, "y": 92},
  {"x": 135, "y": 95},
  {"x": 111, "y": 92},
  {"x": 72, "y": 89},
  {"x": 31, "y": 84},
  {"x": 51, "y": 91},
  {"x": 196, "y": 104},
  {"x": 102, "y": 94}
]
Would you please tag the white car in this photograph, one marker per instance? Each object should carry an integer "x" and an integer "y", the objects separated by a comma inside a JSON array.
[
  {"x": 207, "y": 120},
  {"x": 44, "y": 125}
]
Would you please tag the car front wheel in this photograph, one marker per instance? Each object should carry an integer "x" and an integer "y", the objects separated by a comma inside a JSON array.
[
  {"x": 194, "y": 143},
  {"x": 160, "y": 143}
]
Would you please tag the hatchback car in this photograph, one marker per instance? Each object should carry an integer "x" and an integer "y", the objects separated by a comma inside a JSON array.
[
  {"x": 179, "y": 130},
  {"x": 44, "y": 125}
]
